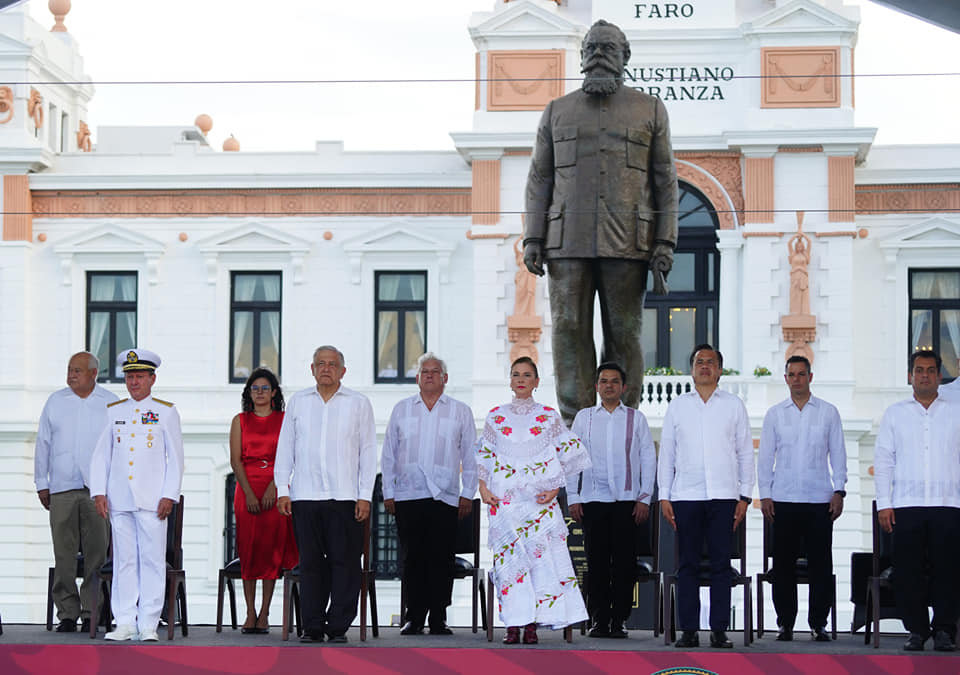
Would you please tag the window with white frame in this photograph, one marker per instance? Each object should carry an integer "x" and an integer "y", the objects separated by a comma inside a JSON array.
[
  {"x": 935, "y": 315},
  {"x": 111, "y": 319},
  {"x": 255, "y": 307},
  {"x": 400, "y": 309}
]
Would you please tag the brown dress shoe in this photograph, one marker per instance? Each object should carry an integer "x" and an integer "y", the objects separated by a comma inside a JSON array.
[{"x": 513, "y": 635}]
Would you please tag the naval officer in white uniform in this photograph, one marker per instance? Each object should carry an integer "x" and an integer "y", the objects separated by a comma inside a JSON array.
[{"x": 135, "y": 477}]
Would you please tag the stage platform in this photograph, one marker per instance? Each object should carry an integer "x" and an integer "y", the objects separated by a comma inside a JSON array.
[{"x": 30, "y": 649}]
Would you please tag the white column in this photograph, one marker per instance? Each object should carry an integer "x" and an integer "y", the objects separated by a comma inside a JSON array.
[{"x": 729, "y": 314}]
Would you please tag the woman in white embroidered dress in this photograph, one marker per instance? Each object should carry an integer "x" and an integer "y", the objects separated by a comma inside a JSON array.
[{"x": 525, "y": 454}]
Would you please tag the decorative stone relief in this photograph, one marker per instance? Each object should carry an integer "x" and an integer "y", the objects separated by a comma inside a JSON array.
[
  {"x": 799, "y": 326},
  {"x": 84, "y": 144},
  {"x": 936, "y": 197},
  {"x": 524, "y": 326},
  {"x": 35, "y": 108},
  {"x": 253, "y": 202},
  {"x": 6, "y": 104},
  {"x": 524, "y": 80},
  {"x": 801, "y": 77}
]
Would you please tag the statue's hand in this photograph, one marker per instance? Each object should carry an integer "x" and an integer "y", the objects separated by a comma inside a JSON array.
[
  {"x": 661, "y": 261},
  {"x": 533, "y": 256},
  {"x": 661, "y": 258}
]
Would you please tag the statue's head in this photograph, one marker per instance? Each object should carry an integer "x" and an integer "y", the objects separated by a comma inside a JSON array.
[{"x": 604, "y": 53}]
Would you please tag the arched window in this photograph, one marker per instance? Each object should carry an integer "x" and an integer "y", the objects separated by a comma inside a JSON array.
[{"x": 675, "y": 323}]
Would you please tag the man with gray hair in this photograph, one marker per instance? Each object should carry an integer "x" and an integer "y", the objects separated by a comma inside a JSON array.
[
  {"x": 70, "y": 425},
  {"x": 325, "y": 470},
  {"x": 429, "y": 478}
]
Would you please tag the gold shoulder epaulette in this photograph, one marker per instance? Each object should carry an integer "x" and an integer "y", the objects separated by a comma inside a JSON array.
[
  {"x": 110, "y": 405},
  {"x": 166, "y": 403}
]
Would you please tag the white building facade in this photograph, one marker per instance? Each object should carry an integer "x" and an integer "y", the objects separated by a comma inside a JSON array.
[{"x": 223, "y": 260}]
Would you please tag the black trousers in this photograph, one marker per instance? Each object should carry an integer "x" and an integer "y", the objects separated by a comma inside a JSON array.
[
  {"x": 927, "y": 535},
  {"x": 620, "y": 286},
  {"x": 802, "y": 528},
  {"x": 709, "y": 522},
  {"x": 610, "y": 536},
  {"x": 330, "y": 542},
  {"x": 427, "y": 530}
]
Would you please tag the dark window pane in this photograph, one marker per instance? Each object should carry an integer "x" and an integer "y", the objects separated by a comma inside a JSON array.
[
  {"x": 98, "y": 326},
  {"x": 388, "y": 348},
  {"x": 648, "y": 338},
  {"x": 270, "y": 341},
  {"x": 242, "y": 345},
  {"x": 401, "y": 287},
  {"x": 937, "y": 284},
  {"x": 683, "y": 321},
  {"x": 414, "y": 341},
  {"x": 683, "y": 275}
]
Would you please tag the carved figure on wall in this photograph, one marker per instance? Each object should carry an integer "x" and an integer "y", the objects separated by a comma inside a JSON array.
[
  {"x": 524, "y": 326},
  {"x": 799, "y": 247},
  {"x": 83, "y": 138},
  {"x": 6, "y": 103},
  {"x": 35, "y": 108},
  {"x": 601, "y": 208},
  {"x": 526, "y": 286},
  {"x": 799, "y": 326}
]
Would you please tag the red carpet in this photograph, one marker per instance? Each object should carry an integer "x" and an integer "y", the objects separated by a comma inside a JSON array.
[{"x": 175, "y": 660}]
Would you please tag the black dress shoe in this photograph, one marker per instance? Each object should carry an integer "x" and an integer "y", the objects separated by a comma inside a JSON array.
[
  {"x": 68, "y": 626},
  {"x": 617, "y": 630},
  {"x": 942, "y": 642},
  {"x": 599, "y": 630},
  {"x": 688, "y": 640},
  {"x": 85, "y": 626},
  {"x": 440, "y": 629},
  {"x": 914, "y": 643},
  {"x": 819, "y": 635},
  {"x": 785, "y": 634},
  {"x": 411, "y": 628},
  {"x": 719, "y": 640},
  {"x": 337, "y": 638},
  {"x": 311, "y": 637}
]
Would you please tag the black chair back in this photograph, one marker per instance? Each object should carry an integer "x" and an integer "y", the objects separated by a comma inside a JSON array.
[
  {"x": 468, "y": 533},
  {"x": 882, "y": 544},
  {"x": 175, "y": 536}
]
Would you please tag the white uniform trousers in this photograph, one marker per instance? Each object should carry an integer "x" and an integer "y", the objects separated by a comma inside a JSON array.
[{"x": 139, "y": 568}]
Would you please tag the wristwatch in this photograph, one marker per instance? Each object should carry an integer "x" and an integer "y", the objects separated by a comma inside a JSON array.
[
  {"x": 842, "y": 493},
  {"x": 745, "y": 500}
]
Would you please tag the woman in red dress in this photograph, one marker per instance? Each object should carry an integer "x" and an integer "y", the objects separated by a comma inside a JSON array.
[{"x": 265, "y": 540}]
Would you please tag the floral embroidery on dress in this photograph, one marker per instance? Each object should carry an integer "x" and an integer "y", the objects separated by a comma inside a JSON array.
[{"x": 531, "y": 562}]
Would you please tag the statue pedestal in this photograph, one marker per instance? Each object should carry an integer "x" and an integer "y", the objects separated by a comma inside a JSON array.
[
  {"x": 799, "y": 330},
  {"x": 523, "y": 332}
]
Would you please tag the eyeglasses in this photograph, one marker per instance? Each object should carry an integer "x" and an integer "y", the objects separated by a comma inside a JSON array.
[{"x": 257, "y": 389}]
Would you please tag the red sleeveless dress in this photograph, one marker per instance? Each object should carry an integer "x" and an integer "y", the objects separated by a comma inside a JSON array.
[{"x": 265, "y": 540}]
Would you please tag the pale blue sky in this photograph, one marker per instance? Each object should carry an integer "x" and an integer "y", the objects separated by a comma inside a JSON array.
[{"x": 390, "y": 39}]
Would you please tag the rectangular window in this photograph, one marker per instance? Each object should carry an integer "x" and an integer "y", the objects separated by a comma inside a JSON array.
[
  {"x": 255, "y": 304},
  {"x": 935, "y": 315},
  {"x": 65, "y": 133},
  {"x": 111, "y": 319},
  {"x": 53, "y": 126},
  {"x": 400, "y": 309}
]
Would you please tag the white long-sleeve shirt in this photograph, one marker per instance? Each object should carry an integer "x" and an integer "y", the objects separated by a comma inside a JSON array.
[
  {"x": 916, "y": 460},
  {"x": 428, "y": 454},
  {"x": 622, "y": 471},
  {"x": 796, "y": 447},
  {"x": 67, "y": 434},
  {"x": 327, "y": 450},
  {"x": 706, "y": 451}
]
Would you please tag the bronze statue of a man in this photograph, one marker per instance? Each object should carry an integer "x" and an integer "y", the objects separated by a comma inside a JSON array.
[{"x": 601, "y": 208}]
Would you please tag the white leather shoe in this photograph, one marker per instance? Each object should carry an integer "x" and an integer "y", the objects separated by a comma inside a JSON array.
[
  {"x": 149, "y": 636},
  {"x": 122, "y": 633}
]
